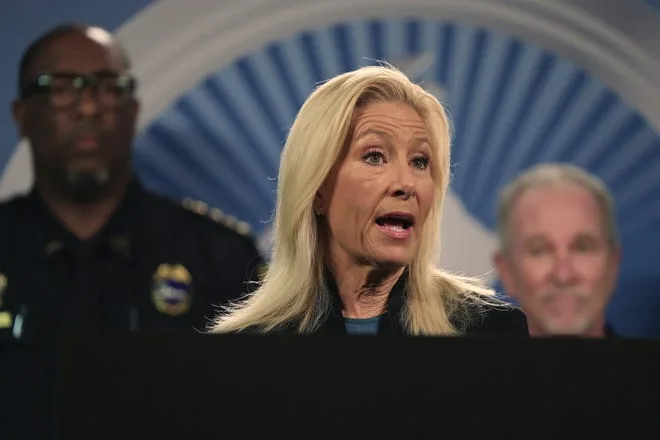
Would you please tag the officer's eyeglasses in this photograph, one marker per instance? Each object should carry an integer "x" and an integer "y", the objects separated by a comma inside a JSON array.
[{"x": 64, "y": 89}]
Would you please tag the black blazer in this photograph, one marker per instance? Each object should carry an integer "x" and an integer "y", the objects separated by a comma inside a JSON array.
[{"x": 499, "y": 319}]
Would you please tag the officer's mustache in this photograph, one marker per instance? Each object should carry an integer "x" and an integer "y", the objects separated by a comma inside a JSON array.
[{"x": 86, "y": 181}]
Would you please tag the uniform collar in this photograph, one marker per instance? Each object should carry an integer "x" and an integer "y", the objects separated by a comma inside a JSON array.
[{"x": 116, "y": 235}]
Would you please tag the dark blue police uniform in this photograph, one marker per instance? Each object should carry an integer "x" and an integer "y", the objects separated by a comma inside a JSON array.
[{"x": 155, "y": 266}]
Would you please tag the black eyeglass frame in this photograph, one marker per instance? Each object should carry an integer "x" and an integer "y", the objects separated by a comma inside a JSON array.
[{"x": 43, "y": 83}]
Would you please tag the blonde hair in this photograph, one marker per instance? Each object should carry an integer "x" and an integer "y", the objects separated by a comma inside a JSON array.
[
  {"x": 553, "y": 175},
  {"x": 293, "y": 290}
]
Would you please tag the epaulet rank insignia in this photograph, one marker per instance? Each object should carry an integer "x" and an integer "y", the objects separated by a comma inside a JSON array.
[
  {"x": 3, "y": 286},
  {"x": 217, "y": 216},
  {"x": 6, "y": 319}
]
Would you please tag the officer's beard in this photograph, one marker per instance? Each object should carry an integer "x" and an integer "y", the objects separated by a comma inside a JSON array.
[
  {"x": 87, "y": 187},
  {"x": 77, "y": 186}
]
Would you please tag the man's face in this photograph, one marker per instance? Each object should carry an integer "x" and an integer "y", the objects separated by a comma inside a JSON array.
[
  {"x": 560, "y": 264},
  {"x": 80, "y": 137}
]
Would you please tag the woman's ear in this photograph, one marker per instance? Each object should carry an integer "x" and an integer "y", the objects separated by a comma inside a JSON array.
[{"x": 319, "y": 205}]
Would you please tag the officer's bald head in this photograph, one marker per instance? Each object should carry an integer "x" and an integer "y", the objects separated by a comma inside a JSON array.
[{"x": 39, "y": 48}]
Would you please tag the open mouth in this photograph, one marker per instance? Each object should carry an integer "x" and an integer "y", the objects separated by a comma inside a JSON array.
[{"x": 396, "y": 221}]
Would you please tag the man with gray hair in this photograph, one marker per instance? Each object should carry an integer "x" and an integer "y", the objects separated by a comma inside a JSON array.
[{"x": 559, "y": 250}]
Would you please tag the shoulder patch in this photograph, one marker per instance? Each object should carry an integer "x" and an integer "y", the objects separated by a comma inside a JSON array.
[{"x": 217, "y": 215}]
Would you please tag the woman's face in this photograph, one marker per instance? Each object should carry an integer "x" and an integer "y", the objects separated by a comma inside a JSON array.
[{"x": 379, "y": 194}]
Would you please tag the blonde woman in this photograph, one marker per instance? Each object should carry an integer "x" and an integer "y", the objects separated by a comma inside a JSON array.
[{"x": 363, "y": 176}]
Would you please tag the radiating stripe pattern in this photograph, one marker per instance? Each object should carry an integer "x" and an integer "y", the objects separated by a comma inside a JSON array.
[
  {"x": 512, "y": 105},
  {"x": 653, "y": 3}
]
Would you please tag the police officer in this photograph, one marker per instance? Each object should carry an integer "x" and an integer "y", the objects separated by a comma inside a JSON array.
[{"x": 89, "y": 249}]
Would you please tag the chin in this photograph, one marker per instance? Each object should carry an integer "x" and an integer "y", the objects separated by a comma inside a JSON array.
[
  {"x": 396, "y": 260},
  {"x": 572, "y": 327},
  {"x": 92, "y": 175}
]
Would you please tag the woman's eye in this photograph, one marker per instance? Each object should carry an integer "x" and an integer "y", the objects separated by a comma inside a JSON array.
[
  {"x": 421, "y": 162},
  {"x": 374, "y": 158}
]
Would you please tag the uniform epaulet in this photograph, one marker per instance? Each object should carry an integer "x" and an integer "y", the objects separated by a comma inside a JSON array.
[{"x": 217, "y": 215}]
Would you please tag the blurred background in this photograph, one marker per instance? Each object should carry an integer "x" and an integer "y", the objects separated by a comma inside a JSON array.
[{"x": 525, "y": 81}]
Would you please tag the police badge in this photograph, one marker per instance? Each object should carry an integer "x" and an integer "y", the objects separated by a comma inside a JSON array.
[{"x": 171, "y": 289}]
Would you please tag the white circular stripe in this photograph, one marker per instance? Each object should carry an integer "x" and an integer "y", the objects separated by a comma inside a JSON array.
[
  {"x": 203, "y": 37},
  {"x": 174, "y": 44},
  {"x": 18, "y": 175}
]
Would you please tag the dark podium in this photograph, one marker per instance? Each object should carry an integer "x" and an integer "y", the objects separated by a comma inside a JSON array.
[{"x": 172, "y": 386}]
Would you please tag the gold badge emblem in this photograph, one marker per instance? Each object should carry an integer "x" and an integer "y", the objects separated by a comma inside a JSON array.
[
  {"x": 171, "y": 290},
  {"x": 3, "y": 286}
]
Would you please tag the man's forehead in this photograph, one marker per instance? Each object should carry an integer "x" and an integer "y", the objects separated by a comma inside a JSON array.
[
  {"x": 566, "y": 209},
  {"x": 552, "y": 196},
  {"x": 80, "y": 51}
]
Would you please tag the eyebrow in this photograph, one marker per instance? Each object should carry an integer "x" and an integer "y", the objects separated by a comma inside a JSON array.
[
  {"x": 373, "y": 131},
  {"x": 381, "y": 133},
  {"x": 581, "y": 236},
  {"x": 535, "y": 239}
]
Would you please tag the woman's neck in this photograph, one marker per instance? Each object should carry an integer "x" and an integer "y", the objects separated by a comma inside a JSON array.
[{"x": 364, "y": 290}]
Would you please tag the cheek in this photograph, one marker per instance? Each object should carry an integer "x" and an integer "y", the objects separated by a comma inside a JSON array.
[
  {"x": 111, "y": 121},
  {"x": 49, "y": 131},
  {"x": 355, "y": 195},
  {"x": 119, "y": 122},
  {"x": 61, "y": 124},
  {"x": 426, "y": 195},
  {"x": 533, "y": 271},
  {"x": 126, "y": 118},
  {"x": 340, "y": 206},
  {"x": 597, "y": 270}
]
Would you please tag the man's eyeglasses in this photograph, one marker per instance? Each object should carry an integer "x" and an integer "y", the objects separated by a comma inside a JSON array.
[{"x": 64, "y": 89}]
